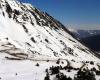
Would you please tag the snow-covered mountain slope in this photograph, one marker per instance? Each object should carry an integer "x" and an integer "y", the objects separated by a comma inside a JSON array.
[
  {"x": 32, "y": 36},
  {"x": 37, "y": 33}
]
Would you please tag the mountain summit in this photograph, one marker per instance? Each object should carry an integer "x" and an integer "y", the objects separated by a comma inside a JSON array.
[
  {"x": 36, "y": 32},
  {"x": 32, "y": 36}
]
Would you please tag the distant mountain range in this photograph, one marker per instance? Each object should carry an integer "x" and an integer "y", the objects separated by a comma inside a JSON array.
[
  {"x": 90, "y": 38},
  {"x": 84, "y": 33},
  {"x": 92, "y": 42}
]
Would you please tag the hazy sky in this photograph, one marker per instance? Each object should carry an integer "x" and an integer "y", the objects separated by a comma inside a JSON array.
[{"x": 77, "y": 13}]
